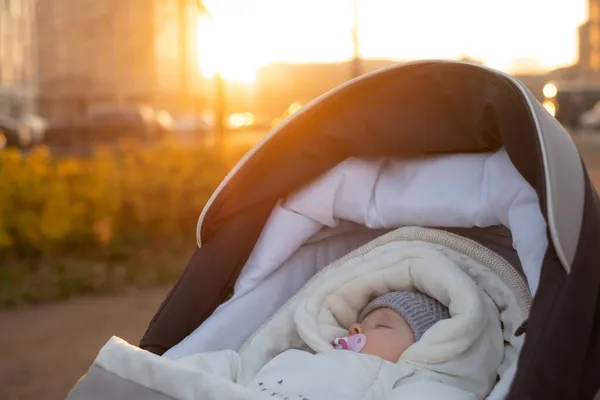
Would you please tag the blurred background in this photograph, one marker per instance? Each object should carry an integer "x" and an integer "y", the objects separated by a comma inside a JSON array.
[{"x": 118, "y": 118}]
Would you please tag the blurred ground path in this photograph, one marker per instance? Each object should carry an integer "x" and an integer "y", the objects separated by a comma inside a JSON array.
[{"x": 45, "y": 349}]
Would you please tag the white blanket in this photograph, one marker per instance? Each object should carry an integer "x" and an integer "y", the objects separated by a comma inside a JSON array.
[{"x": 459, "y": 357}]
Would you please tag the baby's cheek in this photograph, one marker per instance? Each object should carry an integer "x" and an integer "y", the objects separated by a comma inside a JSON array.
[
  {"x": 375, "y": 346},
  {"x": 407, "y": 341},
  {"x": 370, "y": 344},
  {"x": 386, "y": 346}
]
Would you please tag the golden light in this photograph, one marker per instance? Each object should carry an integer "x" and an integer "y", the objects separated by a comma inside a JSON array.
[
  {"x": 239, "y": 120},
  {"x": 292, "y": 108},
  {"x": 219, "y": 50},
  {"x": 550, "y": 107},
  {"x": 245, "y": 35},
  {"x": 550, "y": 91},
  {"x": 295, "y": 106}
]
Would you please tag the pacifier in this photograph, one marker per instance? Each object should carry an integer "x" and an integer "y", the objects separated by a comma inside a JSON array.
[{"x": 353, "y": 342}]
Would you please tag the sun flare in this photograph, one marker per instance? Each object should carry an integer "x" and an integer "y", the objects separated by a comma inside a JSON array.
[
  {"x": 241, "y": 36},
  {"x": 219, "y": 51}
]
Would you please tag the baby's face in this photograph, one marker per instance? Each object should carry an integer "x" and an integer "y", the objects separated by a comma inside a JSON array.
[{"x": 388, "y": 334}]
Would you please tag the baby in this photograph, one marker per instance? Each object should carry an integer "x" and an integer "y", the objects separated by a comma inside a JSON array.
[
  {"x": 366, "y": 364},
  {"x": 445, "y": 341},
  {"x": 391, "y": 323},
  {"x": 394, "y": 350}
]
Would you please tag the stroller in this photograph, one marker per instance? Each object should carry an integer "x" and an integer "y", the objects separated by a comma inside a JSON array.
[{"x": 432, "y": 126}]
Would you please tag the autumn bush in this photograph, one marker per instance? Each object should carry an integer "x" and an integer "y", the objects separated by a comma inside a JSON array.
[{"x": 123, "y": 217}]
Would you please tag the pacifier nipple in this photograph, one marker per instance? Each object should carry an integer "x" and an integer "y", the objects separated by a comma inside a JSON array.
[
  {"x": 340, "y": 343},
  {"x": 353, "y": 342}
]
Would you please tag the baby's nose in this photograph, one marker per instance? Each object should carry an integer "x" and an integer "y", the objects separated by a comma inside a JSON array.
[{"x": 355, "y": 329}]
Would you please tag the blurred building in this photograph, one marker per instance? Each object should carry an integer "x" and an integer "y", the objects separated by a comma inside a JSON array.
[
  {"x": 589, "y": 39},
  {"x": 95, "y": 52},
  {"x": 585, "y": 73},
  {"x": 18, "y": 80},
  {"x": 281, "y": 84}
]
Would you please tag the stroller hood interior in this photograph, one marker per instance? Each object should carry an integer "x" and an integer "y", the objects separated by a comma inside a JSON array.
[{"x": 409, "y": 111}]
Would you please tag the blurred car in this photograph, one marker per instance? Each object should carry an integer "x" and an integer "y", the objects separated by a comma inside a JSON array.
[
  {"x": 190, "y": 126},
  {"x": 164, "y": 122},
  {"x": 569, "y": 99},
  {"x": 59, "y": 134},
  {"x": 37, "y": 126},
  {"x": 240, "y": 121},
  {"x": 590, "y": 119},
  {"x": 14, "y": 133},
  {"x": 108, "y": 124},
  {"x": 111, "y": 123}
]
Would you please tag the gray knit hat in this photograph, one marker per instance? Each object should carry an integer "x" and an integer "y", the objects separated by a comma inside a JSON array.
[{"x": 418, "y": 309}]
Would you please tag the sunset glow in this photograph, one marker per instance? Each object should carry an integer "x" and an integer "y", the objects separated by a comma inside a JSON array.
[
  {"x": 514, "y": 36},
  {"x": 220, "y": 50}
]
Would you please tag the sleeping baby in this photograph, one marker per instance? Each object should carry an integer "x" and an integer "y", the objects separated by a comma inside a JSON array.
[
  {"x": 392, "y": 322},
  {"x": 365, "y": 364},
  {"x": 355, "y": 334},
  {"x": 369, "y": 362}
]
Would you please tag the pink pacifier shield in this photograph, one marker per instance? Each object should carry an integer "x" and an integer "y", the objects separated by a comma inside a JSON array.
[{"x": 353, "y": 343}]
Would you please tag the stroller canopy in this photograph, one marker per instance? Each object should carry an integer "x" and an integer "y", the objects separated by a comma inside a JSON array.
[{"x": 411, "y": 110}]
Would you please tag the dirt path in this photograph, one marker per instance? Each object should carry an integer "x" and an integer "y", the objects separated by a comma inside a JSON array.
[{"x": 45, "y": 349}]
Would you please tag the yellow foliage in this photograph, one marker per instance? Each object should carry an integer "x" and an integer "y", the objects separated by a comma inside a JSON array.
[{"x": 50, "y": 204}]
